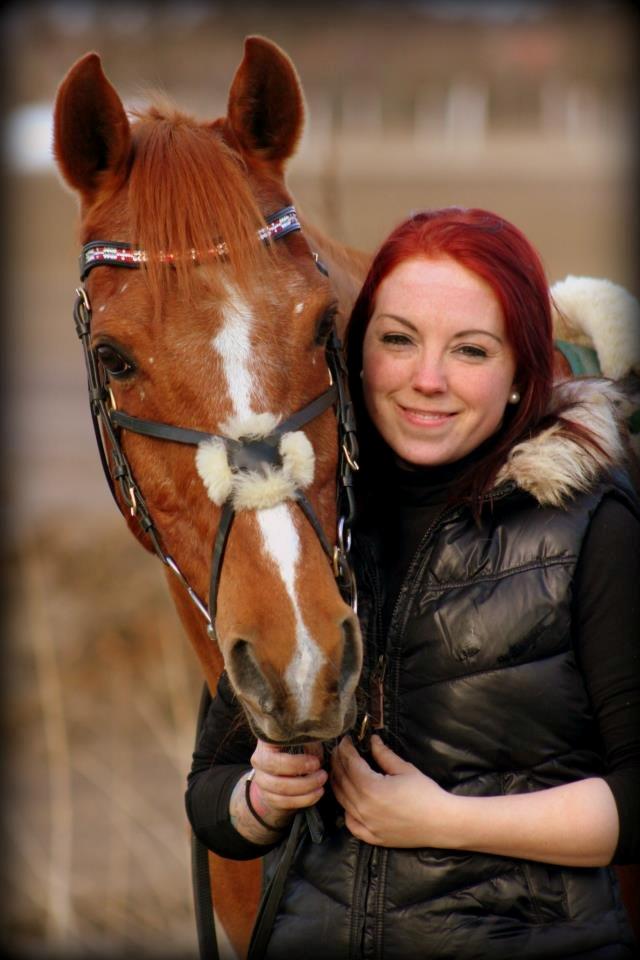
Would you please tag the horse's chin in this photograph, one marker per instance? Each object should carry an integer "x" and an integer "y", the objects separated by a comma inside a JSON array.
[{"x": 306, "y": 732}]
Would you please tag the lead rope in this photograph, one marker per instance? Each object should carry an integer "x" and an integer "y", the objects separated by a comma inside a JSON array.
[{"x": 272, "y": 897}]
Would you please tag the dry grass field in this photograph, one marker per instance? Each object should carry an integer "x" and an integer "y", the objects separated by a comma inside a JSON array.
[
  {"x": 408, "y": 107},
  {"x": 98, "y": 729}
]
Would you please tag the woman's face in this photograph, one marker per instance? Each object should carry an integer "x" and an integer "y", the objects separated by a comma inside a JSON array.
[{"x": 437, "y": 367}]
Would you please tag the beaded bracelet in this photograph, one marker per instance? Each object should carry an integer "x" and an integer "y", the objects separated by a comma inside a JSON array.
[{"x": 252, "y": 809}]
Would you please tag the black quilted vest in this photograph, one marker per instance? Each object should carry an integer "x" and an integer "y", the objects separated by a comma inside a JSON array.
[{"x": 483, "y": 693}]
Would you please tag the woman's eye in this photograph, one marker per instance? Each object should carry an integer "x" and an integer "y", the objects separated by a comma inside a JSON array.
[
  {"x": 395, "y": 339},
  {"x": 475, "y": 353},
  {"x": 114, "y": 362}
]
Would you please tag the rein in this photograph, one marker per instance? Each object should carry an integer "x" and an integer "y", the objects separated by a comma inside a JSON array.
[{"x": 245, "y": 454}]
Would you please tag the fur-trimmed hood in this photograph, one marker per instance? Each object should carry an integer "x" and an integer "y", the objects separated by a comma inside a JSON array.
[
  {"x": 568, "y": 457},
  {"x": 594, "y": 312}
]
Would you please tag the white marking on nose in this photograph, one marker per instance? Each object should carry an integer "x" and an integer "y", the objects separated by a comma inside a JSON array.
[
  {"x": 299, "y": 307},
  {"x": 282, "y": 543}
]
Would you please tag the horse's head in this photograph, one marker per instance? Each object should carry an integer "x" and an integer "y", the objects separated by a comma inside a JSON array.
[{"x": 221, "y": 332}]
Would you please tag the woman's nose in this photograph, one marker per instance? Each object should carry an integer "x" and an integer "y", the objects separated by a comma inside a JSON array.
[{"x": 429, "y": 376}]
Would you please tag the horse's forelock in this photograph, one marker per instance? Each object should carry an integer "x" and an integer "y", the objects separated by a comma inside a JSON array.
[{"x": 188, "y": 191}]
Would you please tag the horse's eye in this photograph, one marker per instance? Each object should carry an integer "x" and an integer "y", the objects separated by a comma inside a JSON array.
[
  {"x": 113, "y": 361},
  {"x": 325, "y": 324}
]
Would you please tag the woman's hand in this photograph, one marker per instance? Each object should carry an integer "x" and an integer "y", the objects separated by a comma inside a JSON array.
[
  {"x": 282, "y": 784},
  {"x": 575, "y": 824},
  {"x": 400, "y": 807},
  {"x": 286, "y": 782}
]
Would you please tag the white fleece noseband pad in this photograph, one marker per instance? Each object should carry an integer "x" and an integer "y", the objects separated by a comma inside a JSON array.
[{"x": 266, "y": 486}]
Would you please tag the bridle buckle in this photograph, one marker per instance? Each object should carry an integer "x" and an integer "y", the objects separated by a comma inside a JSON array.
[
  {"x": 349, "y": 452},
  {"x": 133, "y": 505}
]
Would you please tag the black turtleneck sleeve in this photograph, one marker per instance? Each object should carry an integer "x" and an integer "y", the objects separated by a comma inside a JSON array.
[
  {"x": 606, "y": 616},
  {"x": 221, "y": 757}
]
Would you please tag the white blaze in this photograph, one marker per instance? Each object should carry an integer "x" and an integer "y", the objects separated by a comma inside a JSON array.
[
  {"x": 233, "y": 344},
  {"x": 282, "y": 543},
  {"x": 276, "y": 524}
]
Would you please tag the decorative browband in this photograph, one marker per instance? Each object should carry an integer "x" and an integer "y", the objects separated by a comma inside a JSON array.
[{"x": 115, "y": 253}]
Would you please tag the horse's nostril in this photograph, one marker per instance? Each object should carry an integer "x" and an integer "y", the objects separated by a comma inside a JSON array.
[
  {"x": 351, "y": 653},
  {"x": 247, "y": 676}
]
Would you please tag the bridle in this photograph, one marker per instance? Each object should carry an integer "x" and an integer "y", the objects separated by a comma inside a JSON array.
[{"x": 244, "y": 454}]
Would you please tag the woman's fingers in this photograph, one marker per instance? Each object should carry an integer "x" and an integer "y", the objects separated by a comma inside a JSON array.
[
  {"x": 347, "y": 763},
  {"x": 291, "y": 786},
  {"x": 350, "y": 775},
  {"x": 272, "y": 760},
  {"x": 288, "y": 780},
  {"x": 279, "y": 801}
]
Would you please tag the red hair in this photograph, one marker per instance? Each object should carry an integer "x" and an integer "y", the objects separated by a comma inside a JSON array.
[{"x": 500, "y": 254}]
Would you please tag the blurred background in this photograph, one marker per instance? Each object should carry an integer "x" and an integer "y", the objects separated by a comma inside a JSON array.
[{"x": 527, "y": 108}]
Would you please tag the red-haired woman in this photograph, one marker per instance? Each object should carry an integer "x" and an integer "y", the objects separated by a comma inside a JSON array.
[{"x": 498, "y": 555}]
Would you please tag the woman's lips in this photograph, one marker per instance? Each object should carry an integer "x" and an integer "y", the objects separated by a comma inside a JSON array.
[{"x": 425, "y": 417}]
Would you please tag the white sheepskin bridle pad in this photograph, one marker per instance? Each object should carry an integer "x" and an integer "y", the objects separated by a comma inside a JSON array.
[{"x": 266, "y": 486}]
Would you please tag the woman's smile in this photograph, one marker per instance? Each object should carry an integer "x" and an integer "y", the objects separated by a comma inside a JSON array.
[{"x": 425, "y": 418}]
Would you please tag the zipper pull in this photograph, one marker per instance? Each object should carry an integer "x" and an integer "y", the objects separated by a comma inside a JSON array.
[
  {"x": 377, "y": 694},
  {"x": 374, "y": 717}
]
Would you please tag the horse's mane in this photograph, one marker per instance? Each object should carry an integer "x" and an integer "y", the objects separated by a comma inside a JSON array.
[{"x": 188, "y": 191}]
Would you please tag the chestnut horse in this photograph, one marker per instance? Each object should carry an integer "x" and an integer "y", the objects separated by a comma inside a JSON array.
[{"x": 204, "y": 368}]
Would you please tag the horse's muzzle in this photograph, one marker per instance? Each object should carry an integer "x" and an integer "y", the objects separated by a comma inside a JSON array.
[{"x": 318, "y": 707}]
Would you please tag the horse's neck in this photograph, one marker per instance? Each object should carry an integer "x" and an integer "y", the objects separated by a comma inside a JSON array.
[{"x": 347, "y": 267}]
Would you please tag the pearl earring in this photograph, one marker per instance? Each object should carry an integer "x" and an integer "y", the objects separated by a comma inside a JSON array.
[
  {"x": 362, "y": 374},
  {"x": 514, "y": 396}
]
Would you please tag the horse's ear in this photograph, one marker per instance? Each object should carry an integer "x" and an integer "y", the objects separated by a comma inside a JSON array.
[
  {"x": 91, "y": 133},
  {"x": 266, "y": 107}
]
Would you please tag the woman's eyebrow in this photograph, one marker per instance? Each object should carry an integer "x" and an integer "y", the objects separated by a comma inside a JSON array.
[
  {"x": 469, "y": 333},
  {"x": 457, "y": 336},
  {"x": 402, "y": 320}
]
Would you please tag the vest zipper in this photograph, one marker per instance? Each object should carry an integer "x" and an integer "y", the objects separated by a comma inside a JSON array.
[
  {"x": 373, "y": 718},
  {"x": 358, "y": 905},
  {"x": 379, "y": 917},
  {"x": 371, "y": 866},
  {"x": 410, "y": 576},
  {"x": 376, "y": 687}
]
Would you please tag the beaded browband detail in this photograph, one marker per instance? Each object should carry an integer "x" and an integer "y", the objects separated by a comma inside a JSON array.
[{"x": 121, "y": 254}]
